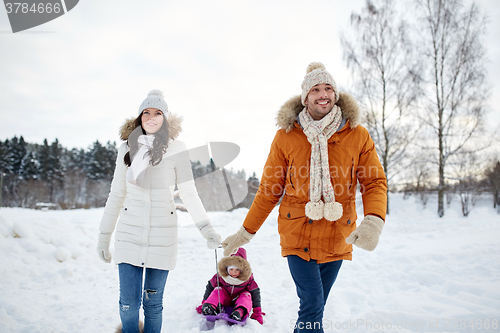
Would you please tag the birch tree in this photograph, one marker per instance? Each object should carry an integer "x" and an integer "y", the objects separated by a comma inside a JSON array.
[
  {"x": 450, "y": 39},
  {"x": 379, "y": 55}
]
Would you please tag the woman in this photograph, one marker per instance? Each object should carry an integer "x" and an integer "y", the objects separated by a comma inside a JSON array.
[{"x": 149, "y": 165}]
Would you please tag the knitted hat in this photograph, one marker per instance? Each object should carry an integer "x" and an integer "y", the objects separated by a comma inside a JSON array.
[
  {"x": 231, "y": 266},
  {"x": 154, "y": 100},
  {"x": 315, "y": 74}
]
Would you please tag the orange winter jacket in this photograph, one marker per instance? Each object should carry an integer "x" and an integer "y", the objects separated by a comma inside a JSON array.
[{"x": 352, "y": 158}]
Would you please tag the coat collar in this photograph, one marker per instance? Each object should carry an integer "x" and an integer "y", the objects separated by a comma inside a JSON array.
[
  {"x": 173, "y": 121},
  {"x": 288, "y": 113}
]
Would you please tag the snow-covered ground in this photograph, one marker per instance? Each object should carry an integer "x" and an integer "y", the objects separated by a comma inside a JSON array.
[{"x": 428, "y": 274}]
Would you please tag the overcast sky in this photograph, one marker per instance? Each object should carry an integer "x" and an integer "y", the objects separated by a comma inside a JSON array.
[{"x": 225, "y": 66}]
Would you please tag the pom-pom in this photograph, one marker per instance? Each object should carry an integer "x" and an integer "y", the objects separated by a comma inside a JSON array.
[
  {"x": 315, "y": 65},
  {"x": 333, "y": 211},
  {"x": 156, "y": 92},
  {"x": 314, "y": 210}
]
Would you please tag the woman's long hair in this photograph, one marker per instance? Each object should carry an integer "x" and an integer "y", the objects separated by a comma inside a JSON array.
[{"x": 160, "y": 143}]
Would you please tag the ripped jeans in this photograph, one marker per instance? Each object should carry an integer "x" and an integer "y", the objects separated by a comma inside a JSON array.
[{"x": 132, "y": 293}]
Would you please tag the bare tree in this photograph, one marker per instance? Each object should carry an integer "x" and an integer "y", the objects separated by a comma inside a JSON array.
[
  {"x": 380, "y": 58},
  {"x": 466, "y": 172},
  {"x": 454, "y": 89},
  {"x": 492, "y": 178}
]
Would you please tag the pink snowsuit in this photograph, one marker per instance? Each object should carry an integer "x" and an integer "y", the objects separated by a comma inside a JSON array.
[{"x": 242, "y": 291}]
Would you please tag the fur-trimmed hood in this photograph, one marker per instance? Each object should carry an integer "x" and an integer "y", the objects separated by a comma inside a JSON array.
[
  {"x": 173, "y": 122},
  {"x": 239, "y": 259},
  {"x": 288, "y": 113}
]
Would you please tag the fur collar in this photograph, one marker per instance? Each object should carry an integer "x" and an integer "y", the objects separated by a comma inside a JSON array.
[
  {"x": 174, "y": 126},
  {"x": 232, "y": 281},
  {"x": 235, "y": 260},
  {"x": 288, "y": 113}
]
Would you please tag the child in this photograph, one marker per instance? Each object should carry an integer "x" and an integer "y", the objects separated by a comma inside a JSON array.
[{"x": 237, "y": 288}]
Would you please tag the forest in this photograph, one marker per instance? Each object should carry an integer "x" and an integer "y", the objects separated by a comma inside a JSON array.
[{"x": 51, "y": 176}]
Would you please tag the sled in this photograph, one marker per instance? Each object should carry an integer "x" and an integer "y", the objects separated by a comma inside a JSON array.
[{"x": 209, "y": 320}]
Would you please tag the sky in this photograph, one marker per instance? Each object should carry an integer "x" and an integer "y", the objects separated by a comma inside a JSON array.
[{"x": 226, "y": 66}]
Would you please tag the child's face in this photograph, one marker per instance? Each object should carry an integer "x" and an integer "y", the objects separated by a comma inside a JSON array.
[{"x": 234, "y": 272}]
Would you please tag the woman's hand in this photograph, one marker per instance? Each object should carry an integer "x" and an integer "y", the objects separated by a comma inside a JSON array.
[
  {"x": 103, "y": 247},
  {"x": 208, "y": 232}
]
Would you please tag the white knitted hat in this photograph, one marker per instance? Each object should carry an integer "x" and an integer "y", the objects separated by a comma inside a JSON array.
[
  {"x": 315, "y": 74},
  {"x": 154, "y": 100}
]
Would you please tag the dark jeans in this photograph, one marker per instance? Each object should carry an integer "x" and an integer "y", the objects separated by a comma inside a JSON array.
[
  {"x": 313, "y": 282},
  {"x": 131, "y": 295}
]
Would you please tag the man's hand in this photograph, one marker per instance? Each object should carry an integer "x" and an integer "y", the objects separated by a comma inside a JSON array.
[
  {"x": 367, "y": 234},
  {"x": 232, "y": 243}
]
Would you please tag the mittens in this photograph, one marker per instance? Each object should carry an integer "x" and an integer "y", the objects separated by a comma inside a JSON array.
[
  {"x": 103, "y": 247},
  {"x": 208, "y": 232},
  {"x": 258, "y": 315},
  {"x": 233, "y": 242},
  {"x": 367, "y": 234}
]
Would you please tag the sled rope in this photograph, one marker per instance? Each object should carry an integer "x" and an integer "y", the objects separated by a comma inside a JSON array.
[{"x": 218, "y": 287}]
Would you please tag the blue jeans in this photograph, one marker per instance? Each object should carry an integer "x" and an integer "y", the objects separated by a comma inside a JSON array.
[
  {"x": 131, "y": 295},
  {"x": 313, "y": 282}
]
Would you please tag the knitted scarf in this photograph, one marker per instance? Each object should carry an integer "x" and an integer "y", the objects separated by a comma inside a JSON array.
[
  {"x": 140, "y": 166},
  {"x": 318, "y": 132}
]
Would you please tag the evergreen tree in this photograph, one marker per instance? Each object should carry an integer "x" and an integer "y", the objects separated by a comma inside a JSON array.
[
  {"x": 18, "y": 151},
  {"x": 14, "y": 151},
  {"x": 100, "y": 161},
  {"x": 3, "y": 156},
  {"x": 55, "y": 162},
  {"x": 74, "y": 161},
  {"x": 110, "y": 162},
  {"x": 56, "y": 171},
  {"x": 43, "y": 159},
  {"x": 30, "y": 166}
]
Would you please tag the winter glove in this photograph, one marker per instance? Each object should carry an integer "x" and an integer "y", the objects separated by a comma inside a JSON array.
[
  {"x": 233, "y": 242},
  {"x": 103, "y": 247},
  {"x": 367, "y": 234},
  {"x": 258, "y": 315},
  {"x": 208, "y": 232},
  {"x": 198, "y": 308}
]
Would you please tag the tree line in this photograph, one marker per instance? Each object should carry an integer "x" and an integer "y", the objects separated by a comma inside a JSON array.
[
  {"x": 419, "y": 74},
  {"x": 72, "y": 178},
  {"x": 46, "y": 173}
]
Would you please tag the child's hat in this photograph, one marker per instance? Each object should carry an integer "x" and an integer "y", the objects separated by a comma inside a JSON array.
[{"x": 237, "y": 260}]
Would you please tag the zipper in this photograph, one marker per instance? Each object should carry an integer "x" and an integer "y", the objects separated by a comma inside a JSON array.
[
  {"x": 352, "y": 176},
  {"x": 291, "y": 174}
]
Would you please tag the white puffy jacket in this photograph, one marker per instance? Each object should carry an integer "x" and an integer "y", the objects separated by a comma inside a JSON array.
[{"x": 146, "y": 232}]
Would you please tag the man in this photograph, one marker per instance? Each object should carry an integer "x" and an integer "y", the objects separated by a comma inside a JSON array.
[{"x": 317, "y": 158}]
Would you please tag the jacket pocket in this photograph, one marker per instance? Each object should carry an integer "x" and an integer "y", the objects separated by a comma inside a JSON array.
[
  {"x": 291, "y": 226},
  {"x": 343, "y": 228}
]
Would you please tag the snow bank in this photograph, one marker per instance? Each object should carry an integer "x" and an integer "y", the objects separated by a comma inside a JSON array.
[{"x": 427, "y": 274}]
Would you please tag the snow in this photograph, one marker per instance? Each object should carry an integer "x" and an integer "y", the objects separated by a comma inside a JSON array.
[{"x": 428, "y": 274}]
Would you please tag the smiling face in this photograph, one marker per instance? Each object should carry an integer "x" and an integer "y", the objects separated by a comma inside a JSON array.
[
  {"x": 234, "y": 272},
  {"x": 320, "y": 100},
  {"x": 151, "y": 119}
]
